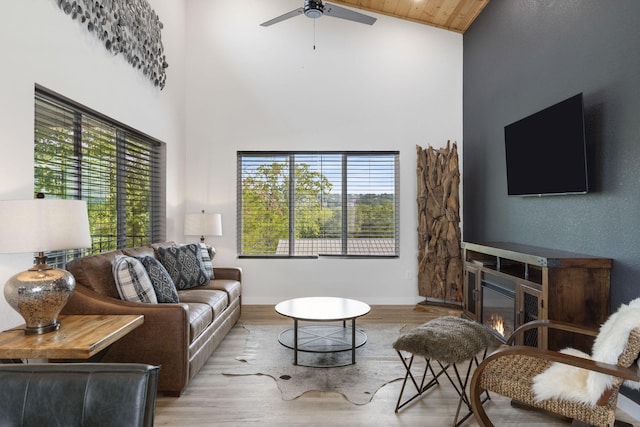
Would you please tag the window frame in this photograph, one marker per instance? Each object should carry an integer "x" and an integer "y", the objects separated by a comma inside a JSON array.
[
  {"x": 345, "y": 230},
  {"x": 139, "y": 163}
]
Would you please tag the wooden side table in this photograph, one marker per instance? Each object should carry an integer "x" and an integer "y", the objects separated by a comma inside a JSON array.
[{"x": 79, "y": 337}]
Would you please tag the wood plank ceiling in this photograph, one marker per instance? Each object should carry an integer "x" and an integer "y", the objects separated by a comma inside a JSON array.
[{"x": 453, "y": 15}]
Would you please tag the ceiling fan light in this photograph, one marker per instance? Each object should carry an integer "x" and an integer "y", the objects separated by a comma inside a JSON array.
[
  {"x": 313, "y": 9},
  {"x": 313, "y": 14}
]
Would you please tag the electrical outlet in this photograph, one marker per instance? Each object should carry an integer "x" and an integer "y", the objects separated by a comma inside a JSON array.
[{"x": 408, "y": 275}]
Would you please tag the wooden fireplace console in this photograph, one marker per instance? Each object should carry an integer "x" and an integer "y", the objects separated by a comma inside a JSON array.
[{"x": 546, "y": 283}]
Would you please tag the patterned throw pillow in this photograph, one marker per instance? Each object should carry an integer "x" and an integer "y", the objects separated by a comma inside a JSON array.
[
  {"x": 132, "y": 280},
  {"x": 206, "y": 260},
  {"x": 160, "y": 279},
  {"x": 184, "y": 265}
]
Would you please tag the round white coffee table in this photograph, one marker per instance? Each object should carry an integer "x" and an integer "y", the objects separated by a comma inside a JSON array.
[{"x": 322, "y": 338}]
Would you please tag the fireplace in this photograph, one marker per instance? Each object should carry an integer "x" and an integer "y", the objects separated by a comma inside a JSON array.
[
  {"x": 507, "y": 285},
  {"x": 498, "y": 305}
]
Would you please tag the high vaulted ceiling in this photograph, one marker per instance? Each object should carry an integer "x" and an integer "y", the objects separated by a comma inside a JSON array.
[{"x": 454, "y": 15}]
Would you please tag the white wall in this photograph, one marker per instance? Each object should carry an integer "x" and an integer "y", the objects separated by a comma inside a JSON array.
[
  {"x": 386, "y": 87},
  {"x": 40, "y": 44},
  {"x": 390, "y": 86}
]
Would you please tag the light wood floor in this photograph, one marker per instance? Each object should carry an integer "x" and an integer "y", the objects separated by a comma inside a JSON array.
[{"x": 213, "y": 399}]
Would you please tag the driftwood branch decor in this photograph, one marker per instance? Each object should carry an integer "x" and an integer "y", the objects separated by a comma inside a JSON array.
[
  {"x": 439, "y": 253},
  {"x": 129, "y": 27}
]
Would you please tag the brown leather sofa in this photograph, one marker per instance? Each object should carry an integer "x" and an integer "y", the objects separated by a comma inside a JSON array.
[{"x": 178, "y": 337}]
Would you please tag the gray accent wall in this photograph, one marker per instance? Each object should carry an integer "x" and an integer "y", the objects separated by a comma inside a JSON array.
[{"x": 521, "y": 56}]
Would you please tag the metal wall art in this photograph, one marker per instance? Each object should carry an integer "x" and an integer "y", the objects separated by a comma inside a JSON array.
[{"x": 129, "y": 27}]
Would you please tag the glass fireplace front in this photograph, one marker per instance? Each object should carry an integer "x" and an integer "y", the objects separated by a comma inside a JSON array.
[{"x": 498, "y": 305}]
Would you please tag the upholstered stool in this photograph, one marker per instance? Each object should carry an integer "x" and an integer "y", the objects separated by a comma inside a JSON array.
[{"x": 447, "y": 341}]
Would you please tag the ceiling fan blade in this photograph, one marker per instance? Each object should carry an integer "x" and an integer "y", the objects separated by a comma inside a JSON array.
[
  {"x": 342, "y": 13},
  {"x": 280, "y": 18}
]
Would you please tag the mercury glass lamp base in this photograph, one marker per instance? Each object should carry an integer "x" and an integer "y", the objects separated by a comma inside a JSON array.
[
  {"x": 39, "y": 295},
  {"x": 41, "y": 329}
]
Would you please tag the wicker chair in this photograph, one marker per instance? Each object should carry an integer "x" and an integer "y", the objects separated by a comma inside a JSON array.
[{"x": 510, "y": 369}]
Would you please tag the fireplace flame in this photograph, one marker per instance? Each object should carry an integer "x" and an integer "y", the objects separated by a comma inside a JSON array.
[{"x": 497, "y": 324}]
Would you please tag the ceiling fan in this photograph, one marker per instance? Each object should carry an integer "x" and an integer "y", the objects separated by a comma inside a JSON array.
[{"x": 315, "y": 9}]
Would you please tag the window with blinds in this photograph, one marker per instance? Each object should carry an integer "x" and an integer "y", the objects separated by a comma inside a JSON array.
[
  {"x": 118, "y": 171},
  {"x": 309, "y": 204}
]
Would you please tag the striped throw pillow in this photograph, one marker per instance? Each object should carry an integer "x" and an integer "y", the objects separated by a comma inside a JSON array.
[{"x": 132, "y": 280}]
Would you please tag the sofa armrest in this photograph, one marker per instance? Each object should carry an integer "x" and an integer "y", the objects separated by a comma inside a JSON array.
[
  {"x": 86, "y": 301},
  {"x": 228, "y": 273},
  {"x": 163, "y": 338}
]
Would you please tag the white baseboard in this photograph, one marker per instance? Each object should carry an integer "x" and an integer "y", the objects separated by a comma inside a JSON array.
[{"x": 629, "y": 406}]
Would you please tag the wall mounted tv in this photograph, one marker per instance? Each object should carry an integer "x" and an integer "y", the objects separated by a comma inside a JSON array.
[{"x": 546, "y": 151}]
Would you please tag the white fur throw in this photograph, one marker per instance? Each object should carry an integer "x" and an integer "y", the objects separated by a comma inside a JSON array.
[{"x": 567, "y": 382}]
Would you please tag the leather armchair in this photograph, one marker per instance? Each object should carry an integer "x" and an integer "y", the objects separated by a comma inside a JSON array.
[{"x": 78, "y": 394}]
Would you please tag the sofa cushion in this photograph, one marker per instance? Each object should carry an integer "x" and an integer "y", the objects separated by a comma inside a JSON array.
[
  {"x": 162, "y": 283},
  {"x": 216, "y": 300},
  {"x": 140, "y": 251},
  {"x": 200, "y": 317},
  {"x": 233, "y": 288},
  {"x": 132, "y": 280},
  {"x": 95, "y": 272},
  {"x": 184, "y": 265}
]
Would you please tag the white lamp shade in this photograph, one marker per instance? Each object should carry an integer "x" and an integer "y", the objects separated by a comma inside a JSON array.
[
  {"x": 202, "y": 224},
  {"x": 42, "y": 225}
]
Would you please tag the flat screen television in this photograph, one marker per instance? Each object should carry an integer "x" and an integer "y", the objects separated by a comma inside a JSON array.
[{"x": 546, "y": 151}]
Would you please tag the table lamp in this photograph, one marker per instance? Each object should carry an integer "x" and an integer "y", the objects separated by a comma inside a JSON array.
[
  {"x": 203, "y": 224},
  {"x": 36, "y": 226}
]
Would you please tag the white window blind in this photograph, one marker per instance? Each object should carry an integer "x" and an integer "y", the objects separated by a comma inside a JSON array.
[{"x": 309, "y": 204}]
